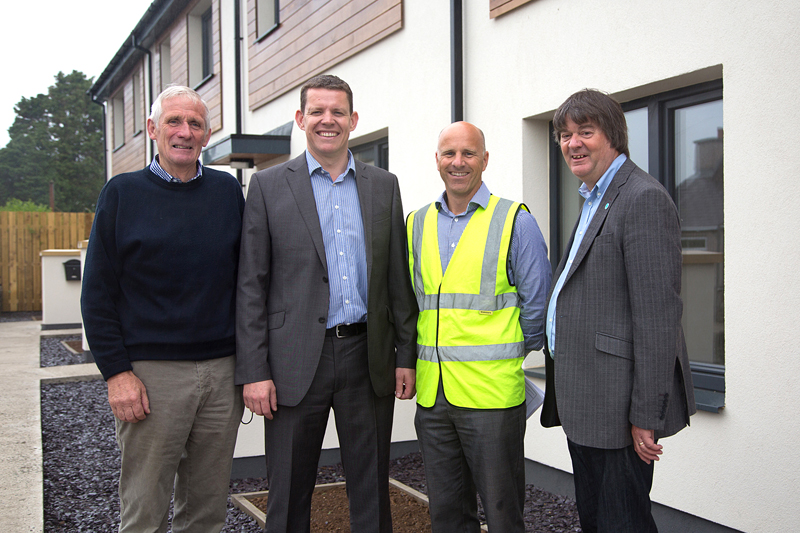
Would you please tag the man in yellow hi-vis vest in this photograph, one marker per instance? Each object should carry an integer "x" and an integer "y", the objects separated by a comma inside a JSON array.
[{"x": 480, "y": 272}]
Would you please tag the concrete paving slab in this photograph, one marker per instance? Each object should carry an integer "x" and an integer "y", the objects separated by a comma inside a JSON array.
[{"x": 21, "y": 501}]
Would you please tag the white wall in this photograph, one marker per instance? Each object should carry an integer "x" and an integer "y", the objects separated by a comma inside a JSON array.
[
  {"x": 61, "y": 299},
  {"x": 732, "y": 467}
]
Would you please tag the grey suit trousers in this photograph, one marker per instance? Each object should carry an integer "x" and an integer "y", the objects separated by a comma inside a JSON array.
[{"x": 469, "y": 451}]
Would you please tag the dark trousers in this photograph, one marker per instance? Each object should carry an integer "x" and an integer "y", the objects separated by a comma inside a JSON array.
[
  {"x": 469, "y": 451},
  {"x": 364, "y": 425},
  {"x": 612, "y": 489}
]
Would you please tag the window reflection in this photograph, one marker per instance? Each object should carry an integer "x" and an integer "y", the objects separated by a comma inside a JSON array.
[{"x": 699, "y": 196}]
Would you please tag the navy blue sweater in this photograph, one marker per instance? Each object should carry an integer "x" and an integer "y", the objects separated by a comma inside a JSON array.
[{"x": 160, "y": 276}]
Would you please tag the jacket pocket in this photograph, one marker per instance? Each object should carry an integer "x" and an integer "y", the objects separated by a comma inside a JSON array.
[
  {"x": 613, "y": 345},
  {"x": 275, "y": 320}
]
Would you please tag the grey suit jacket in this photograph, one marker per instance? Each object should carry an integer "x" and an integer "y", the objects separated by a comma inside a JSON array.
[
  {"x": 282, "y": 296},
  {"x": 620, "y": 352}
]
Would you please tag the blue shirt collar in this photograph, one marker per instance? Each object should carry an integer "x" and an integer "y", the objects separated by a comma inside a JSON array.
[
  {"x": 480, "y": 199},
  {"x": 314, "y": 166},
  {"x": 155, "y": 168},
  {"x": 603, "y": 183}
]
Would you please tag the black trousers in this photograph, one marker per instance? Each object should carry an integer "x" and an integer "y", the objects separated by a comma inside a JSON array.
[
  {"x": 612, "y": 489},
  {"x": 364, "y": 426}
]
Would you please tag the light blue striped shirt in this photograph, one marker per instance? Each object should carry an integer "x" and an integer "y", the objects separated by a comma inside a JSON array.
[
  {"x": 343, "y": 234},
  {"x": 590, "y": 205},
  {"x": 155, "y": 168}
]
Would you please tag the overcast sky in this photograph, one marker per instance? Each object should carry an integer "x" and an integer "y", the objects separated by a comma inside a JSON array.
[{"x": 39, "y": 39}]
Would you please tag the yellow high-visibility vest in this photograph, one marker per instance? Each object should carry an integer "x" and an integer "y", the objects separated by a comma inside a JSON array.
[{"x": 468, "y": 329}]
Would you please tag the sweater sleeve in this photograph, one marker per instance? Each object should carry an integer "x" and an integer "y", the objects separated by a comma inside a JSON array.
[{"x": 100, "y": 291}]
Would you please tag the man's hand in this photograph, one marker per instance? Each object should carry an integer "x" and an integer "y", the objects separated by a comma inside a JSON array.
[
  {"x": 645, "y": 445},
  {"x": 405, "y": 383},
  {"x": 128, "y": 397},
  {"x": 261, "y": 398}
]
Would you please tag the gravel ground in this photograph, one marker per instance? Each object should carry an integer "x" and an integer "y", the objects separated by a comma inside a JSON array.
[
  {"x": 20, "y": 316},
  {"x": 81, "y": 466},
  {"x": 53, "y": 353}
]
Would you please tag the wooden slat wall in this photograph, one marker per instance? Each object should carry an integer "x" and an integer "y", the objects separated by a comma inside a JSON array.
[
  {"x": 22, "y": 236},
  {"x": 498, "y": 7},
  {"x": 312, "y": 37},
  {"x": 211, "y": 91},
  {"x": 132, "y": 155}
]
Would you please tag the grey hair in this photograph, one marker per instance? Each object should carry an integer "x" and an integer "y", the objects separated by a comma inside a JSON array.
[{"x": 178, "y": 91}]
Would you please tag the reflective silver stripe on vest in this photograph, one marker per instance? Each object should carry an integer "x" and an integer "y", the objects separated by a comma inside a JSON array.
[
  {"x": 491, "y": 254},
  {"x": 468, "y": 301},
  {"x": 416, "y": 243},
  {"x": 463, "y": 354}
]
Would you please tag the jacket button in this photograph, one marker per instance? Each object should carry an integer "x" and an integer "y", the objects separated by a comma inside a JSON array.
[
  {"x": 322, "y": 320},
  {"x": 324, "y": 279}
]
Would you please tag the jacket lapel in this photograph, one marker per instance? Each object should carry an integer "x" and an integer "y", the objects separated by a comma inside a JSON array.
[
  {"x": 299, "y": 183},
  {"x": 364, "y": 185},
  {"x": 600, "y": 215}
]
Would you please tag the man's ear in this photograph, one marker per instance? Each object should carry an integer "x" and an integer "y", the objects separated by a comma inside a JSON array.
[{"x": 298, "y": 117}]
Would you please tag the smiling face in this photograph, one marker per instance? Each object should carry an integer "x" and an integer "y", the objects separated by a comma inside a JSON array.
[
  {"x": 327, "y": 120},
  {"x": 587, "y": 151},
  {"x": 180, "y": 135},
  {"x": 461, "y": 159}
]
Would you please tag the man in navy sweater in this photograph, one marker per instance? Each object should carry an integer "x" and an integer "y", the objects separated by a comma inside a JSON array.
[{"x": 158, "y": 303}]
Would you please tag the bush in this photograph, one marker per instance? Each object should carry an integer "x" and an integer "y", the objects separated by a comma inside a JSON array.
[{"x": 18, "y": 205}]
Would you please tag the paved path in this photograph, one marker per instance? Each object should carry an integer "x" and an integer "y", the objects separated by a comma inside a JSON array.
[{"x": 20, "y": 421}]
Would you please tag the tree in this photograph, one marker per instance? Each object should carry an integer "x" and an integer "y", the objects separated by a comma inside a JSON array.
[{"x": 56, "y": 137}]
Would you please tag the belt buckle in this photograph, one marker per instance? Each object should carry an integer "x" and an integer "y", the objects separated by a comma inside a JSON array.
[{"x": 337, "y": 332}]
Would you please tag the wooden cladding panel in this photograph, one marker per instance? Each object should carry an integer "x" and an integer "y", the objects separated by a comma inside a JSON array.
[
  {"x": 131, "y": 155},
  {"x": 22, "y": 236},
  {"x": 211, "y": 91},
  {"x": 498, "y": 7},
  {"x": 297, "y": 50}
]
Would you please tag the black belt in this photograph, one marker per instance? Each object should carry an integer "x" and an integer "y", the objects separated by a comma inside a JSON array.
[{"x": 346, "y": 330}]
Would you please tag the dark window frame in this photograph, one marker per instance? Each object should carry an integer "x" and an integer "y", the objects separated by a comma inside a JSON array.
[
  {"x": 709, "y": 379},
  {"x": 207, "y": 36},
  {"x": 260, "y": 35},
  {"x": 378, "y": 151}
]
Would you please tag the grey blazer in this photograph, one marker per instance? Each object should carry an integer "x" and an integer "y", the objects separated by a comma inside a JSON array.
[
  {"x": 282, "y": 296},
  {"x": 620, "y": 352}
]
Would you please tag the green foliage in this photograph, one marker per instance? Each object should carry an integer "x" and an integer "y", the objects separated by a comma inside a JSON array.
[
  {"x": 14, "y": 204},
  {"x": 56, "y": 137}
]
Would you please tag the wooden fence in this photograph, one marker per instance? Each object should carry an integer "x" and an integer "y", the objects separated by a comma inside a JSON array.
[{"x": 22, "y": 236}]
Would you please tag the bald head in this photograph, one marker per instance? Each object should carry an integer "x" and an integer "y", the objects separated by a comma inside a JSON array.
[
  {"x": 461, "y": 158},
  {"x": 463, "y": 126}
]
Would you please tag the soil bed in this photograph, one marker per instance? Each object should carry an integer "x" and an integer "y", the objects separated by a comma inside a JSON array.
[{"x": 330, "y": 511}]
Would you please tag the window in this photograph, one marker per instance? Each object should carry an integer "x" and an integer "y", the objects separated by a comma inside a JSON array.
[
  {"x": 267, "y": 12},
  {"x": 375, "y": 153},
  {"x": 201, "y": 43},
  {"x": 118, "y": 119},
  {"x": 678, "y": 138},
  {"x": 138, "y": 114},
  {"x": 165, "y": 65}
]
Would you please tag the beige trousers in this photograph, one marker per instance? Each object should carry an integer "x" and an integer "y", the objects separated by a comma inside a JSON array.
[{"x": 185, "y": 443}]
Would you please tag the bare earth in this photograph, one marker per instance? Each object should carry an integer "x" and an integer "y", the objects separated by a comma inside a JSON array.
[{"x": 330, "y": 511}]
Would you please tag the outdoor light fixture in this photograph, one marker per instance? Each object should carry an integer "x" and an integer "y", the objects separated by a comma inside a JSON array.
[{"x": 241, "y": 163}]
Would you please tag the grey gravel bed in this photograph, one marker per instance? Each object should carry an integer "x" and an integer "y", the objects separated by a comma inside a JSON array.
[
  {"x": 81, "y": 468},
  {"x": 53, "y": 353}
]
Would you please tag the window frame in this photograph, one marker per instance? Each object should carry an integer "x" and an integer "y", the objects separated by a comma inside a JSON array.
[
  {"x": 709, "y": 378},
  {"x": 260, "y": 35},
  {"x": 378, "y": 150}
]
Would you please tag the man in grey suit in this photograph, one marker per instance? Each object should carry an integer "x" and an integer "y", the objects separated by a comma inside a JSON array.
[
  {"x": 618, "y": 375},
  {"x": 325, "y": 314}
]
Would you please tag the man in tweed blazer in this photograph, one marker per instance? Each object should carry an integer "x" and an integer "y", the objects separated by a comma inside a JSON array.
[{"x": 618, "y": 375}]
